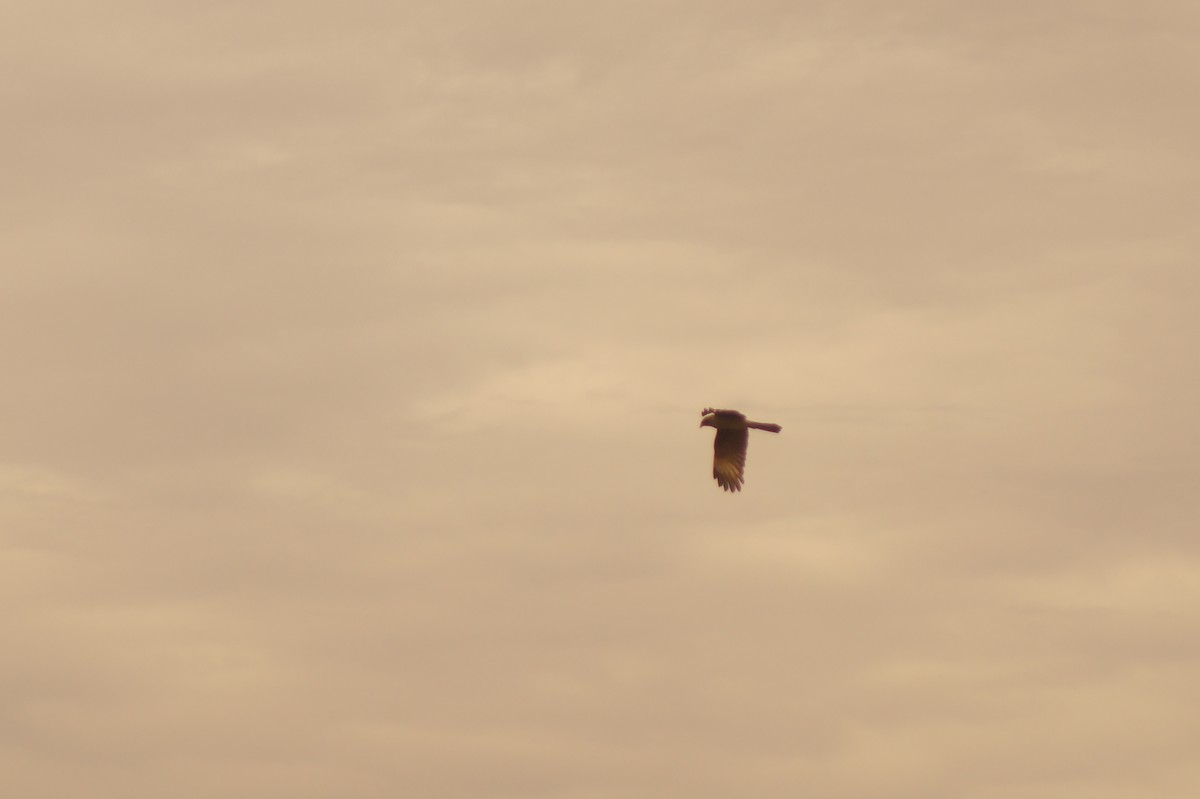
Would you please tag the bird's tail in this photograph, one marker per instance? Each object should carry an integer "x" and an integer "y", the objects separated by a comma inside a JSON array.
[{"x": 770, "y": 428}]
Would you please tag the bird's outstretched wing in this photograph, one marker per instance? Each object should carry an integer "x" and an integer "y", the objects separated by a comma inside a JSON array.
[{"x": 729, "y": 458}]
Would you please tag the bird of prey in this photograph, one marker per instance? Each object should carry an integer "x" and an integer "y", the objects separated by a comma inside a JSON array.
[{"x": 729, "y": 446}]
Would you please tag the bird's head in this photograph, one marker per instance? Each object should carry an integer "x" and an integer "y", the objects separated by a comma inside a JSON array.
[{"x": 709, "y": 421}]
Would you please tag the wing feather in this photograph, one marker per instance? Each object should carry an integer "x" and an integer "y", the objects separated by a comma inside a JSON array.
[{"x": 729, "y": 458}]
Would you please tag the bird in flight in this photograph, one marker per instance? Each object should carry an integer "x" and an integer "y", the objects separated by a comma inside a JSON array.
[{"x": 729, "y": 446}]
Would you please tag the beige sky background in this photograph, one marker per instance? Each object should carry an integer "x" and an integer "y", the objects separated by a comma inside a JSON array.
[{"x": 353, "y": 361}]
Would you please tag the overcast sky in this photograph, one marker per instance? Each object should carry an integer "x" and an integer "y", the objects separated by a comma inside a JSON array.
[{"x": 353, "y": 358}]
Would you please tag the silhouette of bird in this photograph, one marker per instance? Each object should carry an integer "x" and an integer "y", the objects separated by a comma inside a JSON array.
[{"x": 729, "y": 445}]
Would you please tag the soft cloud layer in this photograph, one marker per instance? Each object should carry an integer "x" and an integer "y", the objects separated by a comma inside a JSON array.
[{"x": 354, "y": 358}]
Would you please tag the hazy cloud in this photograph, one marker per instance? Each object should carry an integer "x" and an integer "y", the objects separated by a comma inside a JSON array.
[{"x": 354, "y": 359}]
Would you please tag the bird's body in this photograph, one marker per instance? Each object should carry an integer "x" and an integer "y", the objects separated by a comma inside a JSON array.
[{"x": 729, "y": 446}]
